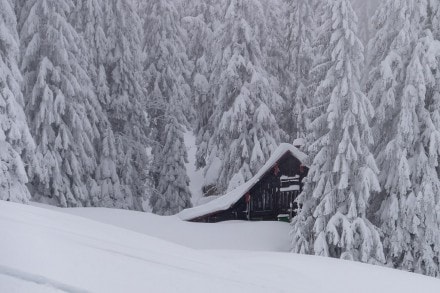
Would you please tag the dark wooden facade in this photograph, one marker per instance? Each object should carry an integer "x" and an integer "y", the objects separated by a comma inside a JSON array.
[{"x": 273, "y": 195}]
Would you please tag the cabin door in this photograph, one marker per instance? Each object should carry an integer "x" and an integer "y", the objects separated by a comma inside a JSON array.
[{"x": 289, "y": 190}]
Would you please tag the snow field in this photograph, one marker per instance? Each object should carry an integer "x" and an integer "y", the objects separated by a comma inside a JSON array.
[{"x": 50, "y": 250}]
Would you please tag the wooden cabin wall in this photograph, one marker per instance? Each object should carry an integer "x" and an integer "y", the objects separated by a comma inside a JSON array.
[{"x": 267, "y": 201}]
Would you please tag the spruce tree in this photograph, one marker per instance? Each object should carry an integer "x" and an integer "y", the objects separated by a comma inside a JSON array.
[
  {"x": 244, "y": 128},
  {"x": 201, "y": 21},
  {"x": 60, "y": 104},
  {"x": 16, "y": 144},
  {"x": 343, "y": 174},
  {"x": 172, "y": 194},
  {"x": 298, "y": 46},
  {"x": 88, "y": 18},
  {"x": 422, "y": 203},
  {"x": 167, "y": 70},
  {"x": 403, "y": 86},
  {"x": 126, "y": 109}
]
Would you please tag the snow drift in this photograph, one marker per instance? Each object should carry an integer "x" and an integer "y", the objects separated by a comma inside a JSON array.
[{"x": 49, "y": 251}]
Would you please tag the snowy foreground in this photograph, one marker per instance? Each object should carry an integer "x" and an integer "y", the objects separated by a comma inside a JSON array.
[{"x": 44, "y": 250}]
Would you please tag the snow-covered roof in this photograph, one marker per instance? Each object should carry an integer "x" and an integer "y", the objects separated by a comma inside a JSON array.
[{"x": 226, "y": 201}]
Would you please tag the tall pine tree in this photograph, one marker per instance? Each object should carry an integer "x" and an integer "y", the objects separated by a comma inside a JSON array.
[
  {"x": 403, "y": 86},
  {"x": 88, "y": 18},
  {"x": 16, "y": 143},
  {"x": 167, "y": 70},
  {"x": 333, "y": 219},
  {"x": 60, "y": 104},
  {"x": 202, "y": 20},
  {"x": 244, "y": 128},
  {"x": 126, "y": 108},
  {"x": 298, "y": 46}
]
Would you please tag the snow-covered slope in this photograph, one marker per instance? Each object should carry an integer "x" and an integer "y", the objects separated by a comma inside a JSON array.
[
  {"x": 45, "y": 250},
  {"x": 257, "y": 236}
]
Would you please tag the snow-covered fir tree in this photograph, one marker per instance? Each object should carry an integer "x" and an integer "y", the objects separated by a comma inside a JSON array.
[
  {"x": 88, "y": 18},
  {"x": 201, "y": 21},
  {"x": 386, "y": 77},
  {"x": 167, "y": 71},
  {"x": 321, "y": 63},
  {"x": 245, "y": 130},
  {"x": 16, "y": 144},
  {"x": 275, "y": 56},
  {"x": 343, "y": 174},
  {"x": 298, "y": 47},
  {"x": 127, "y": 100},
  {"x": 403, "y": 85},
  {"x": 172, "y": 194},
  {"x": 60, "y": 104},
  {"x": 423, "y": 87},
  {"x": 199, "y": 27}
]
